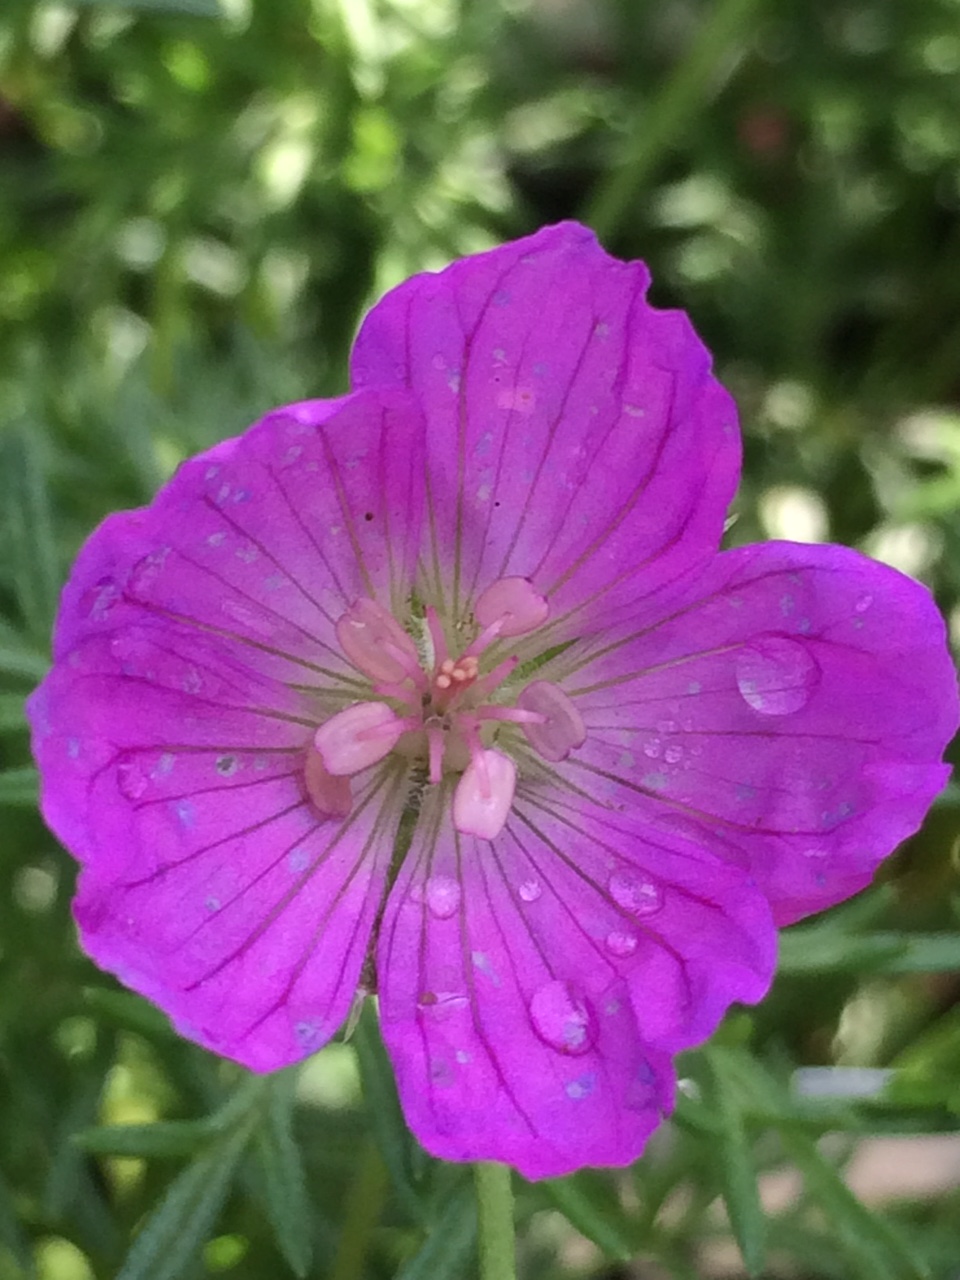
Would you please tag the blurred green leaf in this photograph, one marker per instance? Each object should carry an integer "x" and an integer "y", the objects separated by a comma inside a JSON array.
[
  {"x": 180, "y": 1224},
  {"x": 281, "y": 1163},
  {"x": 733, "y": 1154},
  {"x": 815, "y": 950},
  {"x": 869, "y": 1240},
  {"x": 19, "y": 786},
  {"x": 588, "y": 1201},
  {"x": 168, "y": 1138},
  {"x": 389, "y": 1129},
  {"x": 199, "y": 8},
  {"x": 447, "y": 1250}
]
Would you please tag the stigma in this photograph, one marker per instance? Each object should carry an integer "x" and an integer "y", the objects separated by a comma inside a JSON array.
[{"x": 443, "y": 708}]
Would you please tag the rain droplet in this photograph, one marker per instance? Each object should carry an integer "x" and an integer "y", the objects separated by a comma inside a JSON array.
[
  {"x": 530, "y": 891},
  {"x": 673, "y": 755},
  {"x": 99, "y": 599},
  {"x": 582, "y": 1087},
  {"x": 131, "y": 779},
  {"x": 146, "y": 571},
  {"x": 227, "y": 766},
  {"x": 440, "y": 1005},
  {"x": 652, "y": 749},
  {"x": 863, "y": 604},
  {"x": 562, "y": 1018},
  {"x": 776, "y": 675},
  {"x": 620, "y": 943},
  {"x": 640, "y": 897},
  {"x": 442, "y": 896}
]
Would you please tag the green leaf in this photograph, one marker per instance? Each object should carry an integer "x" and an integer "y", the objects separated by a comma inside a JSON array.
[
  {"x": 12, "y": 715},
  {"x": 197, "y": 8},
  {"x": 387, "y": 1124},
  {"x": 11, "y": 1235},
  {"x": 163, "y": 1139},
  {"x": 815, "y": 950},
  {"x": 588, "y": 1202},
  {"x": 281, "y": 1163},
  {"x": 869, "y": 1240},
  {"x": 738, "y": 1173},
  {"x": 447, "y": 1250},
  {"x": 19, "y": 786},
  {"x": 34, "y": 561},
  {"x": 180, "y": 1224},
  {"x": 131, "y": 1012}
]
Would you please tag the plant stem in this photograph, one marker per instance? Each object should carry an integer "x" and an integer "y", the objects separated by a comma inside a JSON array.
[
  {"x": 684, "y": 93},
  {"x": 495, "y": 1228},
  {"x": 365, "y": 1201}
]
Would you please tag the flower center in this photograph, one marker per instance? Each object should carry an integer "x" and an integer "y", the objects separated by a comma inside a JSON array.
[{"x": 441, "y": 709}]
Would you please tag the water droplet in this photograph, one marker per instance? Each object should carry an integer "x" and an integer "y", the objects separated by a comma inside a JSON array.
[
  {"x": 227, "y": 766},
  {"x": 146, "y": 571},
  {"x": 652, "y": 748},
  {"x": 440, "y": 1005},
  {"x": 815, "y": 853},
  {"x": 131, "y": 779},
  {"x": 99, "y": 599},
  {"x": 620, "y": 943},
  {"x": 530, "y": 891},
  {"x": 562, "y": 1018},
  {"x": 863, "y": 604},
  {"x": 694, "y": 687},
  {"x": 673, "y": 755},
  {"x": 582, "y": 1087},
  {"x": 638, "y": 896},
  {"x": 667, "y": 726},
  {"x": 442, "y": 896},
  {"x": 776, "y": 675}
]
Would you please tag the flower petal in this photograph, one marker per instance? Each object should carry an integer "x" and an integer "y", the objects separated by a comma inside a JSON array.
[
  {"x": 575, "y": 435},
  {"x": 267, "y": 539},
  {"x": 529, "y": 988},
  {"x": 793, "y": 702}
]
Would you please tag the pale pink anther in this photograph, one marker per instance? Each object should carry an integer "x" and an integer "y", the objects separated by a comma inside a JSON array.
[
  {"x": 479, "y": 814},
  {"x": 375, "y": 643},
  {"x": 330, "y": 796},
  {"x": 346, "y": 743},
  {"x": 562, "y": 728},
  {"x": 513, "y": 603}
]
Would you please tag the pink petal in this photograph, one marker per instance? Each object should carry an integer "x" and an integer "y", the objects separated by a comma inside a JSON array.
[
  {"x": 793, "y": 702},
  {"x": 268, "y": 539},
  {"x": 528, "y": 1024},
  {"x": 575, "y": 435}
]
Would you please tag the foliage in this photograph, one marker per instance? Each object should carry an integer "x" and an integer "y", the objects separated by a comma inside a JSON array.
[{"x": 198, "y": 201}]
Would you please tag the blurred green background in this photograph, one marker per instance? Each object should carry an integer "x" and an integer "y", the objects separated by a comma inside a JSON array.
[{"x": 198, "y": 200}]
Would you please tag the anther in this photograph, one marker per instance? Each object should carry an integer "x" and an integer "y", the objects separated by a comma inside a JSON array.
[
  {"x": 482, "y": 811},
  {"x": 358, "y": 737}
]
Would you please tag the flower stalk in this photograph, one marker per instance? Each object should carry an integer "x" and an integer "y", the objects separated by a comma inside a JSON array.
[{"x": 496, "y": 1235}]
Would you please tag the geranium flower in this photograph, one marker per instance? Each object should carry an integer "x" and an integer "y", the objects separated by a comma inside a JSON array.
[{"x": 442, "y": 690}]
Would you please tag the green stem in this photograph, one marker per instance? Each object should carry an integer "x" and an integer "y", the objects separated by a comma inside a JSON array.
[
  {"x": 495, "y": 1229},
  {"x": 365, "y": 1201},
  {"x": 684, "y": 93}
]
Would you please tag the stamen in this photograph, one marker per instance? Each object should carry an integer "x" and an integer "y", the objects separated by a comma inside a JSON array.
[
  {"x": 493, "y": 679},
  {"x": 435, "y": 750},
  {"x": 344, "y": 742},
  {"x": 480, "y": 813},
  {"x": 329, "y": 795},
  {"x": 513, "y": 603},
  {"x": 375, "y": 643},
  {"x": 440, "y": 652},
  {"x": 511, "y": 714},
  {"x": 562, "y": 727}
]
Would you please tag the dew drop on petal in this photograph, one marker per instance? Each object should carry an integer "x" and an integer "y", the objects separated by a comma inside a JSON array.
[
  {"x": 562, "y": 1018},
  {"x": 131, "y": 779},
  {"x": 99, "y": 599},
  {"x": 620, "y": 943},
  {"x": 562, "y": 728},
  {"x": 529, "y": 891},
  {"x": 673, "y": 754},
  {"x": 442, "y": 896},
  {"x": 652, "y": 749},
  {"x": 638, "y": 896},
  {"x": 227, "y": 766},
  {"x": 776, "y": 675}
]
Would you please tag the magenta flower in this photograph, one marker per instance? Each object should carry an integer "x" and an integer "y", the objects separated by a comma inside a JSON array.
[{"x": 442, "y": 690}]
